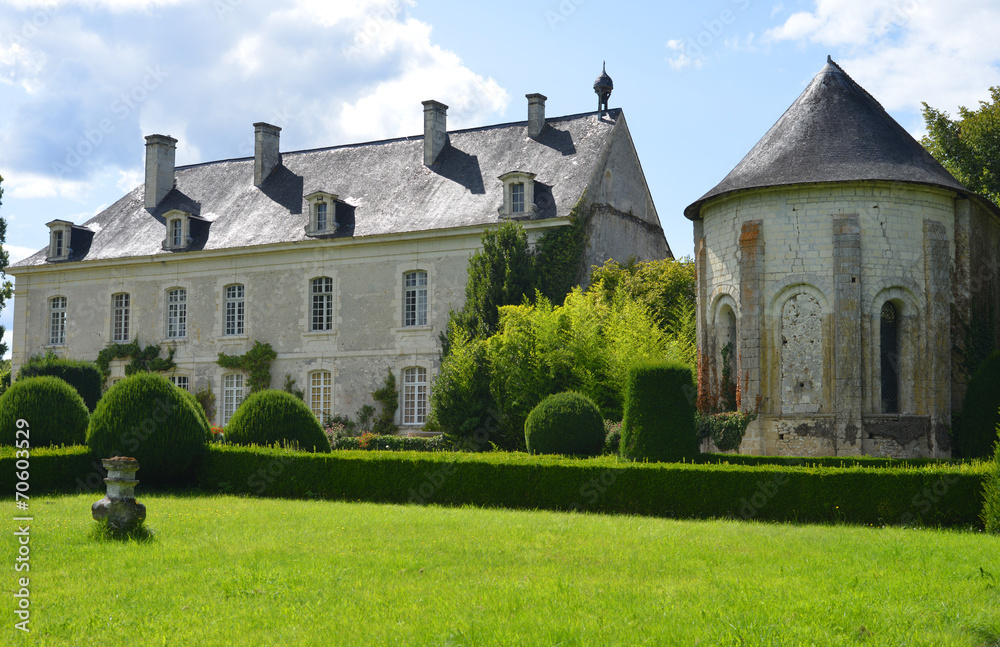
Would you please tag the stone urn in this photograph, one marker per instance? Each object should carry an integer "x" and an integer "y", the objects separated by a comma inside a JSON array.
[{"x": 119, "y": 508}]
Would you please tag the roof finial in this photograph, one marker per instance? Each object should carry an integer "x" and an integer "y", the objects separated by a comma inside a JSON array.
[
  {"x": 828, "y": 59},
  {"x": 603, "y": 87}
]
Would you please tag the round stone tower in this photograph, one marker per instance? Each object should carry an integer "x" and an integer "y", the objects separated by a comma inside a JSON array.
[{"x": 828, "y": 262}]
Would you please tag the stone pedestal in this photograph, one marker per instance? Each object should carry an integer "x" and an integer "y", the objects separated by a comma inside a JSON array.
[{"x": 119, "y": 508}]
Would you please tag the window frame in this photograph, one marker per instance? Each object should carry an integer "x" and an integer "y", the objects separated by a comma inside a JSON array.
[
  {"x": 121, "y": 316},
  {"x": 526, "y": 194},
  {"x": 234, "y": 322},
  {"x": 236, "y": 391},
  {"x": 57, "y": 320},
  {"x": 415, "y": 395},
  {"x": 323, "y": 388},
  {"x": 176, "y": 324},
  {"x": 517, "y": 197},
  {"x": 176, "y": 381},
  {"x": 419, "y": 292},
  {"x": 323, "y": 299}
]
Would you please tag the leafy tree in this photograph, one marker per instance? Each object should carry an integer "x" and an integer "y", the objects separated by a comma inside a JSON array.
[
  {"x": 501, "y": 273},
  {"x": 968, "y": 146},
  {"x": 6, "y": 289}
]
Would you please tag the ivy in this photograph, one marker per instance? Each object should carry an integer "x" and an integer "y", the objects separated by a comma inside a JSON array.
[
  {"x": 256, "y": 362},
  {"x": 144, "y": 360},
  {"x": 725, "y": 429},
  {"x": 559, "y": 257}
]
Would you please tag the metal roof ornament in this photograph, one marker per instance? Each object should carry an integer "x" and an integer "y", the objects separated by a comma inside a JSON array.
[{"x": 603, "y": 87}]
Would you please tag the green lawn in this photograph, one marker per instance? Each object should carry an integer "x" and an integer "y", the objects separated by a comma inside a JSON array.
[{"x": 238, "y": 571}]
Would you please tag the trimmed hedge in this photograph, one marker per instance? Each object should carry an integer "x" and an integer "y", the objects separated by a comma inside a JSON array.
[
  {"x": 991, "y": 507},
  {"x": 200, "y": 411},
  {"x": 83, "y": 376},
  {"x": 375, "y": 442},
  {"x": 821, "y": 461},
  {"x": 659, "y": 422},
  {"x": 565, "y": 423},
  {"x": 947, "y": 495},
  {"x": 272, "y": 416},
  {"x": 146, "y": 417},
  {"x": 54, "y": 411}
]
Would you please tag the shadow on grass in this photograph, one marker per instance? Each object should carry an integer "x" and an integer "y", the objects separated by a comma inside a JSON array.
[{"x": 103, "y": 532}]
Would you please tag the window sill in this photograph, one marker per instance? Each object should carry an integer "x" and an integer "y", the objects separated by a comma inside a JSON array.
[
  {"x": 426, "y": 328},
  {"x": 227, "y": 338},
  {"x": 320, "y": 333},
  {"x": 174, "y": 340}
]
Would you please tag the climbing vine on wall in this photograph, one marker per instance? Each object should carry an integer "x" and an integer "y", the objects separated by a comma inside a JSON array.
[
  {"x": 143, "y": 359},
  {"x": 388, "y": 397},
  {"x": 559, "y": 256},
  {"x": 256, "y": 362}
]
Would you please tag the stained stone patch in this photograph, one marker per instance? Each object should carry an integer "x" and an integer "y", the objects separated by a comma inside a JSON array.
[{"x": 801, "y": 355}]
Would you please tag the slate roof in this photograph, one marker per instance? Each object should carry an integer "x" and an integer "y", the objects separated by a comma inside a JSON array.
[
  {"x": 835, "y": 131},
  {"x": 384, "y": 186}
]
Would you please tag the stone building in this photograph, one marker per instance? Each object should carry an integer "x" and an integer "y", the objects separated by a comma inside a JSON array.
[
  {"x": 346, "y": 260},
  {"x": 839, "y": 267}
]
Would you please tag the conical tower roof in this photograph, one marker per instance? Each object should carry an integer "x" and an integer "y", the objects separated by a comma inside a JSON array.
[{"x": 834, "y": 132}]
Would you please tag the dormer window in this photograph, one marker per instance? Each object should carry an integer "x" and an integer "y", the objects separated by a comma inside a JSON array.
[
  {"x": 59, "y": 237},
  {"x": 322, "y": 214},
  {"x": 178, "y": 230},
  {"x": 518, "y": 194}
]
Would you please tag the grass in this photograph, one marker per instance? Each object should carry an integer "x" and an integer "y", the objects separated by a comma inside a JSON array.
[{"x": 223, "y": 570}]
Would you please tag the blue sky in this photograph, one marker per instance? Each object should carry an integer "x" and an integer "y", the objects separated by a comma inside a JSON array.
[{"x": 82, "y": 81}]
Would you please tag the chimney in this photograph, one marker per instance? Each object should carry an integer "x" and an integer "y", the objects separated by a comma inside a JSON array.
[
  {"x": 435, "y": 130},
  {"x": 265, "y": 151},
  {"x": 536, "y": 114},
  {"x": 159, "y": 168}
]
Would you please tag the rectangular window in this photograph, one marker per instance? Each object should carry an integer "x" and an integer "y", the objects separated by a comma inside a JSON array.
[
  {"x": 232, "y": 395},
  {"x": 57, "y": 246},
  {"x": 517, "y": 198},
  {"x": 176, "y": 313},
  {"x": 415, "y": 299},
  {"x": 322, "y": 303},
  {"x": 235, "y": 309},
  {"x": 321, "y": 216},
  {"x": 414, "y": 396},
  {"x": 57, "y": 322},
  {"x": 321, "y": 393},
  {"x": 181, "y": 381},
  {"x": 120, "y": 317},
  {"x": 177, "y": 233}
]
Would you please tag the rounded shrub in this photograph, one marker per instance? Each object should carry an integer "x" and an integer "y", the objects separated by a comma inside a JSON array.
[
  {"x": 565, "y": 423},
  {"x": 198, "y": 409},
  {"x": 83, "y": 376},
  {"x": 980, "y": 417},
  {"x": 147, "y": 418},
  {"x": 271, "y": 416},
  {"x": 659, "y": 423},
  {"x": 54, "y": 411}
]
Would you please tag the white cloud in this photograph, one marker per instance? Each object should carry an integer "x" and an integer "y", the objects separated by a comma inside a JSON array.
[
  {"x": 907, "y": 51},
  {"x": 683, "y": 56},
  {"x": 16, "y": 253},
  {"x": 26, "y": 186}
]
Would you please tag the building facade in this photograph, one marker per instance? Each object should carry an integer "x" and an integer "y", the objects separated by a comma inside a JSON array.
[
  {"x": 838, "y": 268},
  {"x": 346, "y": 260}
]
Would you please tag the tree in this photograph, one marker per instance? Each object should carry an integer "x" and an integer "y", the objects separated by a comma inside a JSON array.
[
  {"x": 501, "y": 273},
  {"x": 969, "y": 147},
  {"x": 6, "y": 289}
]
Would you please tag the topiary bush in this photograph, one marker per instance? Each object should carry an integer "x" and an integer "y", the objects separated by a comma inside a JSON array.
[
  {"x": 659, "y": 423},
  {"x": 565, "y": 423},
  {"x": 54, "y": 411},
  {"x": 979, "y": 418},
  {"x": 146, "y": 417},
  {"x": 272, "y": 416},
  {"x": 83, "y": 376},
  {"x": 198, "y": 409},
  {"x": 991, "y": 509}
]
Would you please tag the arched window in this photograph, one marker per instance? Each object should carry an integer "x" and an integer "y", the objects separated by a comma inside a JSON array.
[
  {"x": 176, "y": 313},
  {"x": 235, "y": 310},
  {"x": 415, "y": 298},
  {"x": 232, "y": 395},
  {"x": 57, "y": 321},
  {"x": 120, "y": 316},
  {"x": 321, "y": 393},
  {"x": 890, "y": 356}
]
